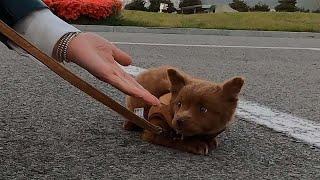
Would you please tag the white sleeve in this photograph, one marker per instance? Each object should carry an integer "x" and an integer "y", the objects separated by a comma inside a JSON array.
[{"x": 43, "y": 29}]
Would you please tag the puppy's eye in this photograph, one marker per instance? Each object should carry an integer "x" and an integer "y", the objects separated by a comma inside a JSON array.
[
  {"x": 179, "y": 104},
  {"x": 203, "y": 109}
]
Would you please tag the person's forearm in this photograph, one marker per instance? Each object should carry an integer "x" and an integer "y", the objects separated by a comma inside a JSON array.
[{"x": 43, "y": 29}]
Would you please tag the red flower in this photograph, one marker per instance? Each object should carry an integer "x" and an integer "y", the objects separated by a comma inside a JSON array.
[{"x": 73, "y": 9}]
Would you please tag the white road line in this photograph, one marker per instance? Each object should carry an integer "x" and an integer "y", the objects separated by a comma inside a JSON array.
[
  {"x": 301, "y": 129},
  {"x": 133, "y": 70},
  {"x": 217, "y": 46}
]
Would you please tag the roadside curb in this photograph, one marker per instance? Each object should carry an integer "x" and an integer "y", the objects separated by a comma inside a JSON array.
[{"x": 195, "y": 31}]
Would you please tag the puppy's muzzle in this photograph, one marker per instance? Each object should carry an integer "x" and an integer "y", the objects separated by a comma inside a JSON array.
[{"x": 180, "y": 122}]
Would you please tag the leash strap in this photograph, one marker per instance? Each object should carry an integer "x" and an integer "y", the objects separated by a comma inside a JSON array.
[{"x": 74, "y": 79}]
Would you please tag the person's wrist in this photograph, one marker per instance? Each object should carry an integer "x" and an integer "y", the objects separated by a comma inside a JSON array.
[
  {"x": 43, "y": 35},
  {"x": 62, "y": 47}
]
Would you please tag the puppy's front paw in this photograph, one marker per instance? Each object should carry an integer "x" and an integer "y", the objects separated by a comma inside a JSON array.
[
  {"x": 130, "y": 126},
  {"x": 199, "y": 147},
  {"x": 213, "y": 144}
]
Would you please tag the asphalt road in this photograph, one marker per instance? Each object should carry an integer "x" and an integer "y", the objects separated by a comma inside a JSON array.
[{"x": 51, "y": 130}]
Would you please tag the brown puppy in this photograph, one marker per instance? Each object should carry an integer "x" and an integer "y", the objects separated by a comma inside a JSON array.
[{"x": 197, "y": 110}]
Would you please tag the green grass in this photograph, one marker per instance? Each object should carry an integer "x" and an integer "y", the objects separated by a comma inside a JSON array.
[{"x": 268, "y": 21}]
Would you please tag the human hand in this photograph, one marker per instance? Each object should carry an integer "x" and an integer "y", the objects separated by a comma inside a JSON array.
[{"x": 98, "y": 56}]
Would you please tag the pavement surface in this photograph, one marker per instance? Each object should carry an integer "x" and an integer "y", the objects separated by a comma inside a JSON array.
[{"x": 51, "y": 130}]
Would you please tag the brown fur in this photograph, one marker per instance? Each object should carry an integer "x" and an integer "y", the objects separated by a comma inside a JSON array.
[{"x": 198, "y": 109}]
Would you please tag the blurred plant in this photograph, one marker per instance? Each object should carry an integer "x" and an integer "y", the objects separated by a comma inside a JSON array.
[
  {"x": 136, "y": 5},
  {"x": 239, "y": 5},
  {"x": 186, "y": 3},
  {"x": 73, "y": 9},
  {"x": 287, "y": 6},
  {"x": 260, "y": 7},
  {"x": 316, "y": 11},
  {"x": 303, "y": 10}
]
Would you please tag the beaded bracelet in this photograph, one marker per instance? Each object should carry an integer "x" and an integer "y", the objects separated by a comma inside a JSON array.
[{"x": 63, "y": 43}]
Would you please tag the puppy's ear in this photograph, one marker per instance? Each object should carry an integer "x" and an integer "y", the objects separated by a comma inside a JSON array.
[
  {"x": 232, "y": 88},
  {"x": 177, "y": 80}
]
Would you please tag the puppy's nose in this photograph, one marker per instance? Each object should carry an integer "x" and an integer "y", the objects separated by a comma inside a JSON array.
[{"x": 180, "y": 122}]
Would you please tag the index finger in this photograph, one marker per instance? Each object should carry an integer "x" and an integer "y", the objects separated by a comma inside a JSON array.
[
  {"x": 120, "y": 56},
  {"x": 128, "y": 87}
]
